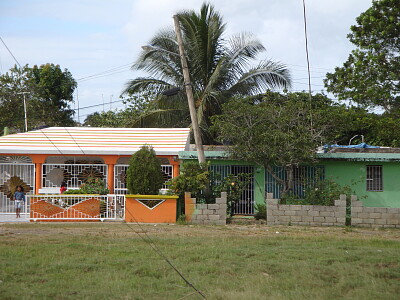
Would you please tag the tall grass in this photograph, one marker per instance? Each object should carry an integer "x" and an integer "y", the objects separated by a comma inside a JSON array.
[{"x": 108, "y": 261}]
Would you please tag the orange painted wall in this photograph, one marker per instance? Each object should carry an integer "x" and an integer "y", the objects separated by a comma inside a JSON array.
[{"x": 163, "y": 213}]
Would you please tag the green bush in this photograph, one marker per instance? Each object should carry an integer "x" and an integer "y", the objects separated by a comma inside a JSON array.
[
  {"x": 144, "y": 174},
  {"x": 261, "y": 211},
  {"x": 92, "y": 186},
  {"x": 193, "y": 178}
]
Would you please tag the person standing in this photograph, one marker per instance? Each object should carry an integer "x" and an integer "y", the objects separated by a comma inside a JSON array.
[
  {"x": 63, "y": 187},
  {"x": 19, "y": 198}
]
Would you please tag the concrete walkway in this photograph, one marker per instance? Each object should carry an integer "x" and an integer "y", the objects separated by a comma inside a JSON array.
[{"x": 8, "y": 218}]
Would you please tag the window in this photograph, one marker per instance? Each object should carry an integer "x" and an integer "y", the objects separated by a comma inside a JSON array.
[{"x": 374, "y": 178}]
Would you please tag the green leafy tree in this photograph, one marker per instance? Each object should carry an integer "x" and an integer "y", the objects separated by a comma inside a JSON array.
[
  {"x": 220, "y": 68},
  {"x": 370, "y": 76},
  {"x": 273, "y": 130},
  {"x": 144, "y": 174},
  {"x": 49, "y": 93}
]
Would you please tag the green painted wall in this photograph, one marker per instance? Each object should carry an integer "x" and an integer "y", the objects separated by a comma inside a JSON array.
[{"x": 353, "y": 173}]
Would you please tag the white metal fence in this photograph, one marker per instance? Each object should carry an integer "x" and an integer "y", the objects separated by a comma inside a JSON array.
[
  {"x": 76, "y": 207},
  {"x": 74, "y": 175},
  {"x": 120, "y": 177},
  {"x": 11, "y": 175}
]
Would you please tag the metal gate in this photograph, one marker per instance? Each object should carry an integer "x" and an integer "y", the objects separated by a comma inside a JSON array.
[
  {"x": 11, "y": 175},
  {"x": 246, "y": 204}
]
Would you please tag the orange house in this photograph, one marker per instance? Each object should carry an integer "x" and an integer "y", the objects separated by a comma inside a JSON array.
[{"x": 43, "y": 159}]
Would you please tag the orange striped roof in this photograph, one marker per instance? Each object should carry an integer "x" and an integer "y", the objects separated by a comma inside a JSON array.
[{"x": 96, "y": 140}]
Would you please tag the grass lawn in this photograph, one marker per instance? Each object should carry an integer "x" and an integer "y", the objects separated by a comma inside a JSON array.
[{"x": 110, "y": 261}]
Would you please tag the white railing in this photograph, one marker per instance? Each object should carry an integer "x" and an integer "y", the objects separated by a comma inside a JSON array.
[{"x": 76, "y": 207}]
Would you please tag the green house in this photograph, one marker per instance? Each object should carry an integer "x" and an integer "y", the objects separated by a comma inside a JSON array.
[{"x": 373, "y": 174}]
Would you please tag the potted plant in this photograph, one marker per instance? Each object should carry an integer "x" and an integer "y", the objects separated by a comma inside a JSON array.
[{"x": 144, "y": 180}]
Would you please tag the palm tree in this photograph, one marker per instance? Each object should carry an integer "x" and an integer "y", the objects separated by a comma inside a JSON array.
[{"x": 220, "y": 69}]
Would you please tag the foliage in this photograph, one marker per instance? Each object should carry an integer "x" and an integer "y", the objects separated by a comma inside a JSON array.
[
  {"x": 273, "y": 129},
  {"x": 194, "y": 178},
  {"x": 220, "y": 68},
  {"x": 49, "y": 92},
  {"x": 323, "y": 192},
  {"x": 144, "y": 174},
  {"x": 261, "y": 211},
  {"x": 181, "y": 220},
  {"x": 234, "y": 186},
  {"x": 370, "y": 76},
  {"x": 91, "y": 186}
]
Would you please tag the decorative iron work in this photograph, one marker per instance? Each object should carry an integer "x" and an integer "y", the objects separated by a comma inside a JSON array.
[
  {"x": 10, "y": 186},
  {"x": 15, "y": 159}
]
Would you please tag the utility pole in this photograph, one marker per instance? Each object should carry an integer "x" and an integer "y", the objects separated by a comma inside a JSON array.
[
  {"x": 25, "y": 115},
  {"x": 189, "y": 93}
]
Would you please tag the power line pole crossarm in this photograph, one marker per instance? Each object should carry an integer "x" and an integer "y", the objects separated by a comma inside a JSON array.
[{"x": 189, "y": 93}]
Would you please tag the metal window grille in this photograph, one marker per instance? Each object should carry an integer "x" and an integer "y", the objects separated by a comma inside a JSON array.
[
  {"x": 303, "y": 177},
  {"x": 374, "y": 178},
  {"x": 73, "y": 174},
  {"x": 246, "y": 204},
  {"x": 120, "y": 177}
]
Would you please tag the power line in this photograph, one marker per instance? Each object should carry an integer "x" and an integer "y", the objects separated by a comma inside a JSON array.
[{"x": 11, "y": 53}]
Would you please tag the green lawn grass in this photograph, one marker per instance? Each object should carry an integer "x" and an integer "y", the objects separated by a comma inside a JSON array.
[{"x": 109, "y": 261}]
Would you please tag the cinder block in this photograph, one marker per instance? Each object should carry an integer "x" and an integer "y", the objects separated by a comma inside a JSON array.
[
  {"x": 319, "y": 219},
  {"x": 340, "y": 214},
  {"x": 342, "y": 197},
  {"x": 327, "y": 224},
  {"x": 221, "y": 212},
  {"x": 307, "y": 219},
  {"x": 208, "y": 211},
  {"x": 375, "y": 215},
  {"x": 220, "y": 201},
  {"x": 284, "y": 207},
  {"x": 290, "y": 213},
  {"x": 319, "y": 208},
  {"x": 278, "y": 212},
  {"x": 356, "y": 209},
  {"x": 213, "y": 217},
  {"x": 213, "y": 206},
  {"x": 380, "y": 210},
  {"x": 202, "y": 217},
  {"x": 295, "y": 219},
  {"x": 340, "y": 202},
  {"x": 326, "y": 214},
  {"x": 341, "y": 220},
  {"x": 301, "y": 213},
  {"x": 272, "y": 207},
  {"x": 392, "y": 210},
  {"x": 380, "y": 221},
  {"x": 368, "y": 221},
  {"x": 306, "y": 207},
  {"x": 356, "y": 221},
  {"x": 392, "y": 221},
  {"x": 330, "y": 219},
  {"x": 201, "y": 206},
  {"x": 331, "y": 208},
  {"x": 284, "y": 219},
  {"x": 295, "y": 207},
  {"x": 313, "y": 213},
  {"x": 363, "y": 215},
  {"x": 376, "y": 226},
  {"x": 222, "y": 217},
  {"x": 272, "y": 201},
  {"x": 220, "y": 222}
]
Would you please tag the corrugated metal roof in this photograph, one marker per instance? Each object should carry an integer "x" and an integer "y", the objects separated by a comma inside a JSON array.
[
  {"x": 96, "y": 140},
  {"x": 360, "y": 156}
]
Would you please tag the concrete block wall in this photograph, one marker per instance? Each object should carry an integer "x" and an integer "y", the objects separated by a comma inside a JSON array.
[
  {"x": 310, "y": 215},
  {"x": 373, "y": 216},
  {"x": 214, "y": 214}
]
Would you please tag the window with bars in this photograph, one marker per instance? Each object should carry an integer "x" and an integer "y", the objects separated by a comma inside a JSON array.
[{"x": 374, "y": 178}]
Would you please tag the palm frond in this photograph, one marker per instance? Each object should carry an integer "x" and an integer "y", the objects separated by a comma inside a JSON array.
[{"x": 142, "y": 84}]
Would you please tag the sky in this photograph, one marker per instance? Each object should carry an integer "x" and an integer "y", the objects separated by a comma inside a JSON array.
[{"x": 98, "y": 40}]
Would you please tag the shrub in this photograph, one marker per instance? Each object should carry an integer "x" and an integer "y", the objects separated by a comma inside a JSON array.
[
  {"x": 261, "y": 211},
  {"x": 144, "y": 174},
  {"x": 92, "y": 186}
]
